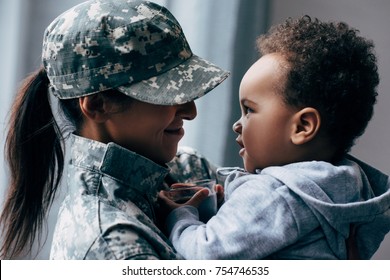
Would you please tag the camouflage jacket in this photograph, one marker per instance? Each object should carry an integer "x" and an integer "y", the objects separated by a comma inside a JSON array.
[{"x": 109, "y": 210}]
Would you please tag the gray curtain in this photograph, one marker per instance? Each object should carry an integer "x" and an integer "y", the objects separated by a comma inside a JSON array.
[{"x": 252, "y": 20}]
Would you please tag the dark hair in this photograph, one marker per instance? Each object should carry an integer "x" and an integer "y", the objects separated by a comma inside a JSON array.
[
  {"x": 331, "y": 69},
  {"x": 35, "y": 157},
  {"x": 35, "y": 153}
]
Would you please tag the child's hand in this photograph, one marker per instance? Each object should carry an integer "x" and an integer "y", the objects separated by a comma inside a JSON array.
[
  {"x": 220, "y": 195},
  {"x": 168, "y": 205}
]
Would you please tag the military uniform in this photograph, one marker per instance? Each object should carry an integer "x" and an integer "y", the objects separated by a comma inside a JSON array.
[{"x": 109, "y": 210}]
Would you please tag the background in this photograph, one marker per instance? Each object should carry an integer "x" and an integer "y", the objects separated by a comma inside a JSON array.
[{"x": 224, "y": 32}]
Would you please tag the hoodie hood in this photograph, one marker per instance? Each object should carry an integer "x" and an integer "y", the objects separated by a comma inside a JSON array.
[{"x": 349, "y": 193}]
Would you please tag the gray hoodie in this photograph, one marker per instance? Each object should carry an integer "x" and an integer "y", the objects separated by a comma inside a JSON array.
[{"x": 298, "y": 211}]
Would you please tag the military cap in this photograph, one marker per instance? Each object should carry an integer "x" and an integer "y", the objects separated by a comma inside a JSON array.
[{"x": 136, "y": 47}]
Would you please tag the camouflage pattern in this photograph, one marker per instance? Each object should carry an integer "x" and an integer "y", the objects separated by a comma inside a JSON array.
[
  {"x": 189, "y": 165},
  {"x": 109, "y": 210},
  {"x": 137, "y": 47}
]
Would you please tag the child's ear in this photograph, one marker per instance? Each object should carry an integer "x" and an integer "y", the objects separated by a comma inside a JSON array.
[
  {"x": 94, "y": 107},
  {"x": 306, "y": 123}
]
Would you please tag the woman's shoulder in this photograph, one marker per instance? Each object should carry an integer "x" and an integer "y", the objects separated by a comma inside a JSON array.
[{"x": 189, "y": 165}]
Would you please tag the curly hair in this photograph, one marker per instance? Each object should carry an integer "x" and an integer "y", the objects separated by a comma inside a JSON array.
[{"x": 332, "y": 69}]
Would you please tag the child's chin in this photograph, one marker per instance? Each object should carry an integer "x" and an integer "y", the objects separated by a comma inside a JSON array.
[{"x": 249, "y": 168}]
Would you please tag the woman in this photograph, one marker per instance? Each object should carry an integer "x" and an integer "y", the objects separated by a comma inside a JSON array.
[{"x": 125, "y": 77}]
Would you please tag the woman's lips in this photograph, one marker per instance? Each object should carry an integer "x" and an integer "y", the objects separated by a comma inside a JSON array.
[{"x": 175, "y": 132}]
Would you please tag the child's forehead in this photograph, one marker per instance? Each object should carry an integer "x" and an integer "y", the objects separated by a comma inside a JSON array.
[
  {"x": 269, "y": 64},
  {"x": 267, "y": 73}
]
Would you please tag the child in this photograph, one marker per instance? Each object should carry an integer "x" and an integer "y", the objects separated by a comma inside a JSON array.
[{"x": 304, "y": 102}]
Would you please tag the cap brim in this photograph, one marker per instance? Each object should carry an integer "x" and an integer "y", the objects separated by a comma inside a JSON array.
[{"x": 184, "y": 83}]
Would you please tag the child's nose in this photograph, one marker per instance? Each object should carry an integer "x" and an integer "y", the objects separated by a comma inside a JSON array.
[{"x": 237, "y": 127}]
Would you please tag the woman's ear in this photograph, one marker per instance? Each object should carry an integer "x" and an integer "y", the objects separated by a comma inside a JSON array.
[
  {"x": 94, "y": 107},
  {"x": 306, "y": 125}
]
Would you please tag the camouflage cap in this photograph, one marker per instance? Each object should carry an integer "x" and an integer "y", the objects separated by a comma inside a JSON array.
[{"x": 136, "y": 47}]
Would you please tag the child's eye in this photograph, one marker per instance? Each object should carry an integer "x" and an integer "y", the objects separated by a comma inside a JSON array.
[{"x": 247, "y": 110}]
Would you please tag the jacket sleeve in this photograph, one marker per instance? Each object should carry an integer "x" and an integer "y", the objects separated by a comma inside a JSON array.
[{"x": 253, "y": 223}]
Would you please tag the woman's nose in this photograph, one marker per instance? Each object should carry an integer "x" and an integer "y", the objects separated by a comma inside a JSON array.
[
  {"x": 188, "y": 110},
  {"x": 237, "y": 127}
]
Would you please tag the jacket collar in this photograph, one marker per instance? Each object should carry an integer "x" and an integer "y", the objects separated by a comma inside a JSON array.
[{"x": 125, "y": 166}]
